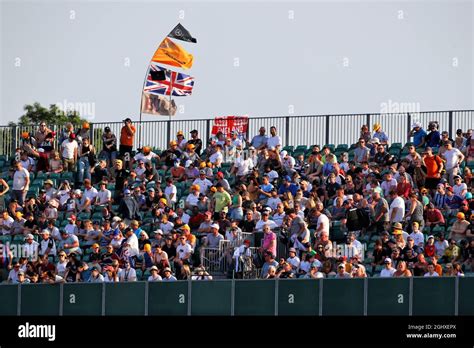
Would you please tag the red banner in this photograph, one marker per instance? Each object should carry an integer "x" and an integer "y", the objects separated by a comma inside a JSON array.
[{"x": 226, "y": 124}]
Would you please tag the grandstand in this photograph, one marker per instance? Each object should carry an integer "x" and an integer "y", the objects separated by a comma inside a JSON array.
[{"x": 388, "y": 197}]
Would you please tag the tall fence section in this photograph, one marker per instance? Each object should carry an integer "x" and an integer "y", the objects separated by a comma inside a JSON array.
[
  {"x": 321, "y": 297},
  {"x": 294, "y": 130}
]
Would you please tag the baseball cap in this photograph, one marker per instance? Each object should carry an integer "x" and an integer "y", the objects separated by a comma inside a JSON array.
[
  {"x": 416, "y": 125},
  {"x": 215, "y": 226},
  {"x": 387, "y": 260},
  {"x": 202, "y": 172},
  {"x": 292, "y": 250},
  {"x": 193, "y": 131},
  {"x": 126, "y": 192},
  {"x": 29, "y": 236}
]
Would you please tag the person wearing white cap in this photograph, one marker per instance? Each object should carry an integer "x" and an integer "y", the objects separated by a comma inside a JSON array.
[
  {"x": 388, "y": 270},
  {"x": 154, "y": 277},
  {"x": 418, "y": 134},
  {"x": 293, "y": 259},
  {"x": 47, "y": 244},
  {"x": 212, "y": 239},
  {"x": 30, "y": 248}
]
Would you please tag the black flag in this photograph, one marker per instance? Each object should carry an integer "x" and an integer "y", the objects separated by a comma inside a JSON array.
[
  {"x": 157, "y": 75},
  {"x": 180, "y": 33}
]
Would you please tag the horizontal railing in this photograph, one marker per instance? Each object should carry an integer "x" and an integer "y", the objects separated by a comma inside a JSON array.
[{"x": 294, "y": 130}]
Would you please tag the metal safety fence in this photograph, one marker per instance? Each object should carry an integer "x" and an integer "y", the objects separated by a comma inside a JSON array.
[{"x": 294, "y": 130}]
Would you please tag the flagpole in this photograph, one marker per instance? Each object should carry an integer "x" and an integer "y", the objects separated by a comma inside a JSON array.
[{"x": 141, "y": 107}]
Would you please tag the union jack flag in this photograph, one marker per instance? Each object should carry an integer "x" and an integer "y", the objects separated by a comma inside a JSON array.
[{"x": 178, "y": 84}]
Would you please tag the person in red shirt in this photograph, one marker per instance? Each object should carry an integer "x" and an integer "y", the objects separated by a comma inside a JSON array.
[
  {"x": 430, "y": 249},
  {"x": 403, "y": 187},
  {"x": 434, "y": 217}
]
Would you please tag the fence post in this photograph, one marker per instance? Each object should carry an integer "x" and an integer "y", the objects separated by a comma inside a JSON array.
[
  {"x": 208, "y": 134},
  {"x": 408, "y": 126},
  {"x": 450, "y": 123},
  {"x": 287, "y": 130},
  {"x": 14, "y": 139},
  {"x": 327, "y": 129},
  {"x": 168, "y": 133},
  {"x": 367, "y": 120}
]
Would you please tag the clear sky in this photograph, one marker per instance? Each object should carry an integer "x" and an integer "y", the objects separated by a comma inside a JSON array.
[{"x": 259, "y": 58}]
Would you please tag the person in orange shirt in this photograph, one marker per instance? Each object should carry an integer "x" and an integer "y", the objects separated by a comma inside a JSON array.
[
  {"x": 434, "y": 166},
  {"x": 127, "y": 135}
]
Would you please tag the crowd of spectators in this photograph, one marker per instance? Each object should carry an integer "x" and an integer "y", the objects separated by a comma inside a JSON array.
[{"x": 72, "y": 212}]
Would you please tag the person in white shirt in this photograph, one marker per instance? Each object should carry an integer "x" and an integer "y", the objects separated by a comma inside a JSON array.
[
  {"x": 131, "y": 244},
  {"x": 236, "y": 142},
  {"x": 322, "y": 225},
  {"x": 203, "y": 182},
  {"x": 183, "y": 215},
  {"x": 88, "y": 196},
  {"x": 274, "y": 142},
  {"x": 13, "y": 274},
  {"x": 127, "y": 273},
  {"x": 169, "y": 277},
  {"x": 183, "y": 253},
  {"x": 61, "y": 264},
  {"x": 264, "y": 220},
  {"x": 397, "y": 207},
  {"x": 417, "y": 235},
  {"x": 242, "y": 164},
  {"x": 30, "y": 248},
  {"x": 171, "y": 192},
  {"x": 293, "y": 260},
  {"x": 104, "y": 196},
  {"x": 279, "y": 214},
  {"x": 154, "y": 277},
  {"x": 241, "y": 252},
  {"x": 388, "y": 184},
  {"x": 274, "y": 200},
  {"x": 431, "y": 271},
  {"x": 6, "y": 223},
  {"x": 21, "y": 183},
  {"x": 216, "y": 158},
  {"x": 47, "y": 244},
  {"x": 388, "y": 271},
  {"x": 453, "y": 158},
  {"x": 69, "y": 149},
  {"x": 95, "y": 277},
  {"x": 440, "y": 244},
  {"x": 460, "y": 188}
]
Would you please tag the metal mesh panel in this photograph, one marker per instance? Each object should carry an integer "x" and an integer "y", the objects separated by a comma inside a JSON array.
[
  {"x": 463, "y": 120},
  {"x": 267, "y": 122},
  {"x": 345, "y": 129},
  {"x": 307, "y": 130},
  {"x": 394, "y": 125}
]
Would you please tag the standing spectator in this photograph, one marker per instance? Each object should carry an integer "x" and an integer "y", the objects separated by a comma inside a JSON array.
[
  {"x": 86, "y": 156},
  {"x": 453, "y": 158},
  {"x": 434, "y": 166},
  {"x": 69, "y": 150},
  {"x": 196, "y": 141},
  {"x": 260, "y": 141},
  {"x": 21, "y": 183},
  {"x": 274, "y": 143},
  {"x": 127, "y": 134},
  {"x": 397, "y": 207},
  {"x": 109, "y": 146}
]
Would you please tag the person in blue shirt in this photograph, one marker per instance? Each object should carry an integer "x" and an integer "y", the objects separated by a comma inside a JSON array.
[
  {"x": 379, "y": 134},
  {"x": 265, "y": 189},
  {"x": 287, "y": 185},
  {"x": 418, "y": 134},
  {"x": 434, "y": 137}
]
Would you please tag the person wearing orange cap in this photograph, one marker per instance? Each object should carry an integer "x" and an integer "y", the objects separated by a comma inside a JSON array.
[
  {"x": 83, "y": 133},
  {"x": 146, "y": 155},
  {"x": 190, "y": 154},
  {"x": 459, "y": 228},
  {"x": 181, "y": 140},
  {"x": 171, "y": 155}
]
